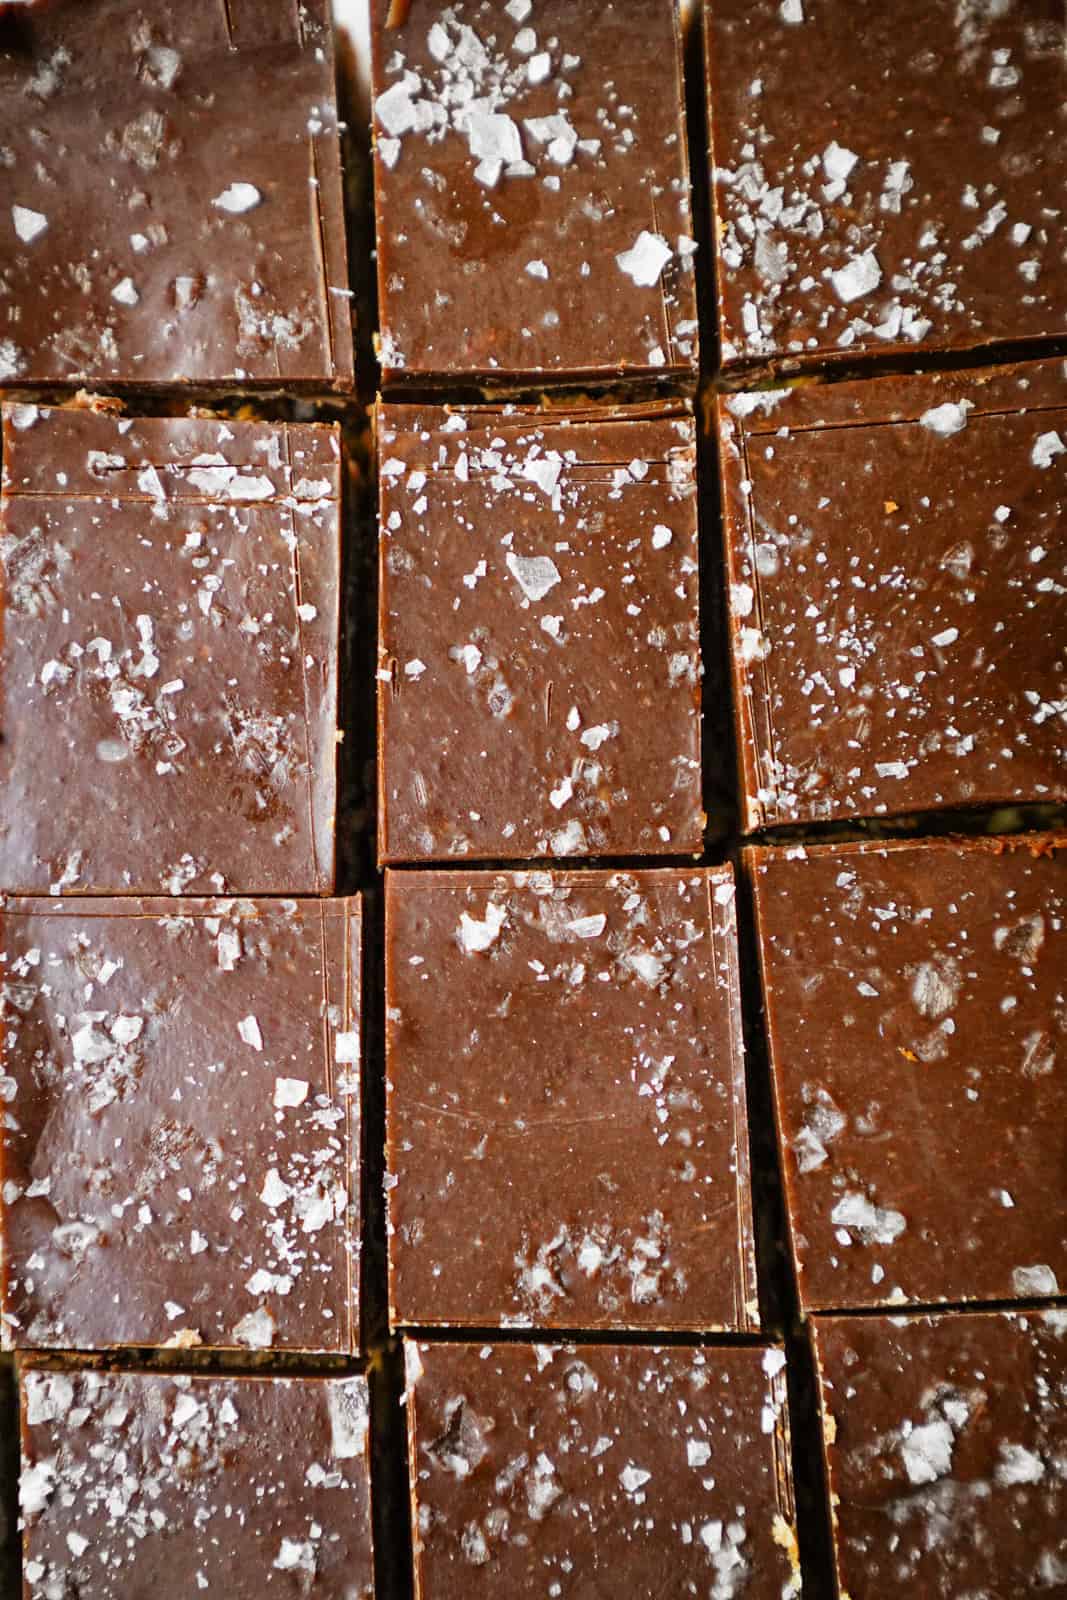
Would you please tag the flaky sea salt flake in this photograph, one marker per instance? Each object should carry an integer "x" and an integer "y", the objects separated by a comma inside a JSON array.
[
  {"x": 29, "y": 225},
  {"x": 857, "y": 277},
  {"x": 646, "y": 258},
  {"x": 238, "y": 197},
  {"x": 248, "y": 1028},
  {"x": 632, "y": 1478},
  {"x": 1047, "y": 446},
  {"x": 535, "y": 575},
  {"x": 947, "y": 419},
  {"x": 477, "y": 936},
  {"x": 837, "y": 161},
  {"x": 289, "y": 1092}
]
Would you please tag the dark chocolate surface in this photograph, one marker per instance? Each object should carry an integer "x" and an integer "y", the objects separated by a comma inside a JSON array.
[
  {"x": 539, "y": 676},
  {"x": 180, "y": 1153},
  {"x": 898, "y": 567},
  {"x": 567, "y": 1142},
  {"x": 170, "y": 196},
  {"x": 168, "y": 665},
  {"x": 138, "y": 1487},
  {"x": 916, "y": 1005},
  {"x": 595, "y": 1471},
  {"x": 532, "y": 190},
  {"x": 886, "y": 178},
  {"x": 946, "y": 1438}
]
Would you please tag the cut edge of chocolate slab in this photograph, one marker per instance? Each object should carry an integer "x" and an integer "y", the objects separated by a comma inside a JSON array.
[{"x": 808, "y": 404}]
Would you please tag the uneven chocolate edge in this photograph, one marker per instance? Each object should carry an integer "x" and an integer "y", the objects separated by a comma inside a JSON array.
[
  {"x": 356, "y": 835},
  {"x": 10, "y": 1540},
  {"x": 620, "y": 1337},
  {"x": 779, "y": 1300},
  {"x": 830, "y": 366},
  {"x": 718, "y": 736},
  {"x": 477, "y": 387}
]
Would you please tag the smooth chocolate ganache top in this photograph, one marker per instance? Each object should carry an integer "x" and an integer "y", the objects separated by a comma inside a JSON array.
[
  {"x": 168, "y": 657},
  {"x": 539, "y": 639},
  {"x": 898, "y": 592},
  {"x": 181, "y": 1139},
  {"x": 145, "y": 1484},
  {"x": 886, "y": 178},
  {"x": 567, "y": 1132},
  {"x": 532, "y": 192}
]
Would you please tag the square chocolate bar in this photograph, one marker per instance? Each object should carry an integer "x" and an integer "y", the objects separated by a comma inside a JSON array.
[
  {"x": 887, "y": 178},
  {"x": 898, "y": 566},
  {"x": 604, "y": 1469},
  {"x": 539, "y": 671},
  {"x": 138, "y": 1484},
  {"x": 567, "y": 1142},
  {"x": 945, "y": 1438},
  {"x": 171, "y": 206},
  {"x": 168, "y": 664},
  {"x": 915, "y": 1008},
  {"x": 532, "y": 192},
  {"x": 180, "y": 1148}
]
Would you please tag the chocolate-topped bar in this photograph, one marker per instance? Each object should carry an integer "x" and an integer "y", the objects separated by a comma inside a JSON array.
[
  {"x": 945, "y": 1439},
  {"x": 914, "y": 202},
  {"x": 168, "y": 664},
  {"x": 170, "y": 196},
  {"x": 916, "y": 1014},
  {"x": 180, "y": 1151},
  {"x": 532, "y": 192},
  {"x": 567, "y": 1136},
  {"x": 898, "y": 567},
  {"x": 138, "y": 1484},
  {"x": 539, "y": 672},
  {"x": 603, "y": 1469}
]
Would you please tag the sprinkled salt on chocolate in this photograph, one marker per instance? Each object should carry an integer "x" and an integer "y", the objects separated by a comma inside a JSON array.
[
  {"x": 902, "y": 547},
  {"x": 649, "y": 1458},
  {"x": 939, "y": 1434},
  {"x": 552, "y": 155},
  {"x": 169, "y": 654},
  {"x": 171, "y": 191},
  {"x": 595, "y": 1080},
  {"x": 481, "y": 684},
  {"x": 907, "y": 228},
  {"x": 205, "y": 1194},
  {"x": 179, "y": 1485},
  {"x": 910, "y": 1100}
]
